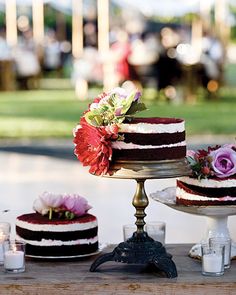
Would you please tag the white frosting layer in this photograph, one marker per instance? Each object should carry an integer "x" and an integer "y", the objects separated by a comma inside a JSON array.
[
  {"x": 120, "y": 145},
  {"x": 45, "y": 242},
  {"x": 212, "y": 183},
  {"x": 182, "y": 194},
  {"x": 56, "y": 227},
  {"x": 152, "y": 128}
]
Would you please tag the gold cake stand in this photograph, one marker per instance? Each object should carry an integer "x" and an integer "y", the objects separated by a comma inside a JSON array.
[{"x": 140, "y": 248}]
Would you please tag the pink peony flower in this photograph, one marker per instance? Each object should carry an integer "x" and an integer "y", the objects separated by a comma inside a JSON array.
[
  {"x": 76, "y": 204},
  {"x": 47, "y": 201},
  {"x": 51, "y": 200},
  {"x": 40, "y": 207},
  {"x": 223, "y": 161}
]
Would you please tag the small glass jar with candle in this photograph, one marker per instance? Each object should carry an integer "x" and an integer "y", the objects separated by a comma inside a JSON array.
[
  {"x": 226, "y": 242},
  {"x": 14, "y": 257},
  {"x": 5, "y": 228},
  {"x": 212, "y": 260}
]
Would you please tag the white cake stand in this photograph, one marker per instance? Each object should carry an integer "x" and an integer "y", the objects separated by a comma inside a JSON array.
[{"x": 216, "y": 216}]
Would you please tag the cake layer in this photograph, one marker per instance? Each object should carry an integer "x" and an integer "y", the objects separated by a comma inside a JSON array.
[
  {"x": 153, "y": 125},
  {"x": 154, "y": 139},
  {"x": 58, "y": 251},
  {"x": 211, "y": 192},
  {"x": 37, "y": 222},
  {"x": 56, "y": 235},
  {"x": 203, "y": 196},
  {"x": 153, "y": 154}
]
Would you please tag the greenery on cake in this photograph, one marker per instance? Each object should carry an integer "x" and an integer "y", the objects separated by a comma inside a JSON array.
[
  {"x": 214, "y": 162},
  {"x": 63, "y": 206},
  {"x": 99, "y": 126}
]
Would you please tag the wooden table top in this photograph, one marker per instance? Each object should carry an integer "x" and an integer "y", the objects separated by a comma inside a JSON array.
[{"x": 74, "y": 277}]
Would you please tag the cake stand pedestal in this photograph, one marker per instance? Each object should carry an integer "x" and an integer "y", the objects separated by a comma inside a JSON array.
[
  {"x": 216, "y": 219},
  {"x": 140, "y": 248}
]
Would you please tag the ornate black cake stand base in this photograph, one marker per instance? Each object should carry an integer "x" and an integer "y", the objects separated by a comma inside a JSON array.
[{"x": 140, "y": 249}]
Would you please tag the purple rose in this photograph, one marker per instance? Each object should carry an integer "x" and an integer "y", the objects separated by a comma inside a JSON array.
[
  {"x": 223, "y": 161},
  {"x": 76, "y": 204}
]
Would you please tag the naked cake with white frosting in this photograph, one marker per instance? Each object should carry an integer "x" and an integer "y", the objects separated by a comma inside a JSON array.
[
  {"x": 108, "y": 132},
  {"x": 213, "y": 179},
  {"x": 58, "y": 235}
]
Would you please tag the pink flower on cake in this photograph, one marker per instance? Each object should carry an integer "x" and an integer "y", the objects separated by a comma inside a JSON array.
[
  {"x": 46, "y": 202},
  {"x": 224, "y": 162},
  {"x": 76, "y": 204},
  {"x": 218, "y": 161},
  {"x": 61, "y": 206}
]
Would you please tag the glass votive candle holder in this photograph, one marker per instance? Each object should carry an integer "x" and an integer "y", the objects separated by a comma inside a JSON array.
[
  {"x": 5, "y": 228},
  {"x": 14, "y": 257},
  {"x": 128, "y": 230},
  {"x": 226, "y": 242},
  {"x": 212, "y": 260},
  {"x": 156, "y": 230}
]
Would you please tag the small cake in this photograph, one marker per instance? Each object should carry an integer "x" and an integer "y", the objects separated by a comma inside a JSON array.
[
  {"x": 213, "y": 179},
  {"x": 108, "y": 132},
  {"x": 61, "y": 227}
]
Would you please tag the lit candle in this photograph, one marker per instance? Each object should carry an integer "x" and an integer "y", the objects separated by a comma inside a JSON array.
[
  {"x": 14, "y": 259},
  {"x": 212, "y": 263}
]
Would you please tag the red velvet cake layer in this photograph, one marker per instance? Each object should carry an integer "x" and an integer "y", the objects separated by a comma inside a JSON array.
[
  {"x": 60, "y": 251},
  {"x": 154, "y": 120},
  {"x": 154, "y": 139},
  {"x": 150, "y": 154}
]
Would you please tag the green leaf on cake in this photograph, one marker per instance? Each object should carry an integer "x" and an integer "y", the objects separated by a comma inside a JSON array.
[{"x": 135, "y": 108}]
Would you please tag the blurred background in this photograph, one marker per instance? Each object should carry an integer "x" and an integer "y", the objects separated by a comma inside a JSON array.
[{"x": 56, "y": 56}]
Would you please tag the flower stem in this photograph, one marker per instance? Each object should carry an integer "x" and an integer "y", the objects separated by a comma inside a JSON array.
[{"x": 50, "y": 213}]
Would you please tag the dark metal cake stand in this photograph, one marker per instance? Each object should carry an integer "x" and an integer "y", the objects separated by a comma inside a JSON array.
[{"x": 140, "y": 248}]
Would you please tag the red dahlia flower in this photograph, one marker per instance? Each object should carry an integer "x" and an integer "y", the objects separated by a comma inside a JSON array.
[{"x": 93, "y": 146}]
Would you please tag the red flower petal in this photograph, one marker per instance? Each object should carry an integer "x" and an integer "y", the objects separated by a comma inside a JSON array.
[{"x": 93, "y": 146}]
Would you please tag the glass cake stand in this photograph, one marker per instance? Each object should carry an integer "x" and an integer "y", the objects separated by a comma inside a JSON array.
[
  {"x": 140, "y": 248},
  {"x": 216, "y": 218}
]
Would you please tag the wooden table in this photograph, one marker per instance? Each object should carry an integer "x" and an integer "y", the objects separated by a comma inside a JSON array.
[{"x": 74, "y": 277}]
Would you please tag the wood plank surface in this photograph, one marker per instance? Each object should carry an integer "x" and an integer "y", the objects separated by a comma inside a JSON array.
[{"x": 73, "y": 277}]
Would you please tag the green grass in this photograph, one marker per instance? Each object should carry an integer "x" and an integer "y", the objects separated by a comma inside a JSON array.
[{"x": 54, "y": 113}]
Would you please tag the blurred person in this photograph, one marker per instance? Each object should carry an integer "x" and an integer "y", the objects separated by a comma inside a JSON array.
[
  {"x": 144, "y": 55},
  {"x": 212, "y": 59},
  {"x": 120, "y": 51},
  {"x": 86, "y": 69},
  {"x": 168, "y": 68},
  {"x": 5, "y": 50},
  {"x": 52, "y": 52},
  {"x": 27, "y": 61}
]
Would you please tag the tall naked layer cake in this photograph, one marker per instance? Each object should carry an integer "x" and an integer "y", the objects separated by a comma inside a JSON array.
[{"x": 108, "y": 132}]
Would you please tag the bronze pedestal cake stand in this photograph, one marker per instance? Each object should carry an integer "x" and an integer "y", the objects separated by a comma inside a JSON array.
[{"x": 140, "y": 248}]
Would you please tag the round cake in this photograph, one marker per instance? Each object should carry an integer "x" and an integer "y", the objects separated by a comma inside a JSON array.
[
  {"x": 57, "y": 238},
  {"x": 213, "y": 180},
  {"x": 108, "y": 132},
  {"x": 61, "y": 227}
]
